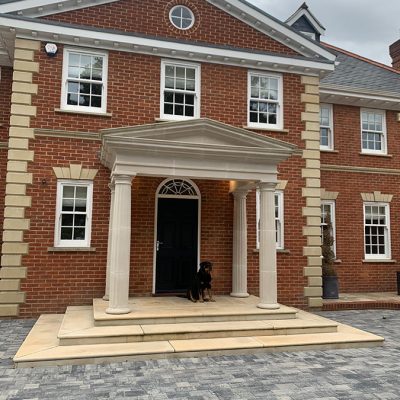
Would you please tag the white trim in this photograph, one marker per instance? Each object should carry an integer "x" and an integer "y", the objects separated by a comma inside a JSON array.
[
  {"x": 187, "y": 8},
  {"x": 197, "y": 94},
  {"x": 280, "y": 243},
  {"x": 388, "y": 250},
  {"x": 67, "y": 107},
  {"x": 279, "y": 123},
  {"x": 163, "y": 48},
  {"x": 384, "y": 149},
  {"x": 331, "y": 142},
  {"x": 89, "y": 207},
  {"x": 332, "y": 204},
  {"x": 158, "y": 196},
  {"x": 39, "y": 8}
]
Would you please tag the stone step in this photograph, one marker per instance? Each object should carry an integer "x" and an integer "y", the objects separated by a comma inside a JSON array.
[
  {"x": 42, "y": 347},
  {"x": 149, "y": 311},
  {"x": 78, "y": 328}
]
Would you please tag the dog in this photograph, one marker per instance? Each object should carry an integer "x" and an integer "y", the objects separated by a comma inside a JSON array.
[{"x": 201, "y": 283}]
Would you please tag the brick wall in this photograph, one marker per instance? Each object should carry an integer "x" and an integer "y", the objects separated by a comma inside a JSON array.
[
  {"x": 5, "y": 101},
  {"x": 56, "y": 280},
  {"x": 354, "y": 274},
  {"x": 152, "y": 18}
]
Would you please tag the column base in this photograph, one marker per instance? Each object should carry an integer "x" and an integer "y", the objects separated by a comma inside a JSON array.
[
  {"x": 240, "y": 295},
  {"x": 106, "y": 297},
  {"x": 269, "y": 306},
  {"x": 118, "y": 311}
]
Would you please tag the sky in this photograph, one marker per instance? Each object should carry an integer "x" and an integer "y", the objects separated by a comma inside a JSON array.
[{"x": 365, "y": 27}]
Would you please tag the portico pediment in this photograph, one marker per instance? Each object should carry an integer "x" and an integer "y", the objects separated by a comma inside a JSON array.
[
  {"x": 202, "y": 131},
  {"x": 205, "y": 145}
]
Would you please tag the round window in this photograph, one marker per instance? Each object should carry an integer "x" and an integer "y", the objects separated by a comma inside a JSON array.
[{"x": 181, "y": 17}]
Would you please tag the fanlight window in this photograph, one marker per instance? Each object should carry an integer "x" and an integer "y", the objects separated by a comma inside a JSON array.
[{"x": 178, "y": 187}]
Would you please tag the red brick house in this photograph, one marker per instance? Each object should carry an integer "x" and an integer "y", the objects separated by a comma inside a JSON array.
[{"x": 138, "y": 138}]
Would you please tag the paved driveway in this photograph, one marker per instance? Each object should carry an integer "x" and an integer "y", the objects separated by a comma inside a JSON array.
[{"x": 357, "y": 374}]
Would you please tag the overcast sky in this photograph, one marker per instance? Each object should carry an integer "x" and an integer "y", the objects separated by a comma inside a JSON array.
[{"x": 365, "y": 27}]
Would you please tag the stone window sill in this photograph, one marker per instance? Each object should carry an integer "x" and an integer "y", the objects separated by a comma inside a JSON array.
[
  {"x": 383, "y": 260},
  {"x": 279, "y": 251},
  {"x": 95, "y": 114},
  {"x": 329, "y": 151},
  {"x": 71, "y": 249},
  {"x": 376, "y": 155},
  {"x": 260, "y": 128}
]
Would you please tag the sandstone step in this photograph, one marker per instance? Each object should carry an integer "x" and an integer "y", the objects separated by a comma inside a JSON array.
[
  {"x": 42, "y": 347},
  {"x": 170, "y": 310},
  {"x": 78, "y": 328}
]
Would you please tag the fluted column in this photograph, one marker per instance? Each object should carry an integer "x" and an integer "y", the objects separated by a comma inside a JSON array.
[
  {"x": 239, "y": 267},
  {"x": 107, "y": 291},
  {"x": 120, "y": 246},
  {"x": 268, "y": 270}
]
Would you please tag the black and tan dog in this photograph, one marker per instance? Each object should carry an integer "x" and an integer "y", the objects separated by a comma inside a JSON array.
[{"x": 201, "y": 283}]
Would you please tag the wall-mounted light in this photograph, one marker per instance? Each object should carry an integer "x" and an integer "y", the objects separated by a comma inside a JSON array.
[{"x": 51, "y": 49}]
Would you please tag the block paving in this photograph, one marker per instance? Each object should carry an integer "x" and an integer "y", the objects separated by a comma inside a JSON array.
[{"x": 324, "y": 375}]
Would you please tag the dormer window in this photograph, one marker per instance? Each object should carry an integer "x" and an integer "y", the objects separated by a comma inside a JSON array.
[{"x": 311, "y": 35}]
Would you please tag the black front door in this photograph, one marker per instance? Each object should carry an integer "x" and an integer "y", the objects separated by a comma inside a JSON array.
[{"x": 177, "y": 242}]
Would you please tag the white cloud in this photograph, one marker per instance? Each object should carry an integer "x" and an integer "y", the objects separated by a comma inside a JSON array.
[{"x": 365, "y": 27}]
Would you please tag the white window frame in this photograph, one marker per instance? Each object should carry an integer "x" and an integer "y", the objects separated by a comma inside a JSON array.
[
  {"x": 332, "y": 205},
  {"x": 197, "y": 95},
  {"x": 188, "y": 9},
  {"x": 64, "y": 87},
  {"x": 388, "y": 253},
  {"x": 279, "y": 101},
  {"x": 89, "y": 206},
  {"x": 330, "y": 146},
  {"x": 280, "y": 245},
  {"x": 384, "y": 131}
]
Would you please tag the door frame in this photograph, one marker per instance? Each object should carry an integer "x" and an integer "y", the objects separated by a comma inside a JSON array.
[{"x": 178, "y": 197}]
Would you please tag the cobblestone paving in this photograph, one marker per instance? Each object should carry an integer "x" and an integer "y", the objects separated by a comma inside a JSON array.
[{"x": 358, "y": 374}]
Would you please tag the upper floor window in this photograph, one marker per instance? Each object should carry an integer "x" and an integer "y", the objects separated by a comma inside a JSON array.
[
  {"x": 181, "y": 17},
  {"x": 265, "y": 94},
  {"x": 84, "y": 81},
  {"x": 326, "y": 122},
  {"x": 373, "y": 131},
  {"x": 73, "y": 213},
  {"x": 180, "y": 90},
  {"x": 377, "y": 230},
  {"x": 279, "y": 219}
]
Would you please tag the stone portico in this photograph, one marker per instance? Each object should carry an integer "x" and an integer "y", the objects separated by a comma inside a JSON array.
[{"x": 199, "y": 149}]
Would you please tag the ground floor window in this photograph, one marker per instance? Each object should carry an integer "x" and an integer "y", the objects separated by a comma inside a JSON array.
[
  {"x": 328, "y": 211},
  {"x": 279, "y": 223},
  {"x": 377, "y": 230},
  {"x": 73, "y": 213}
]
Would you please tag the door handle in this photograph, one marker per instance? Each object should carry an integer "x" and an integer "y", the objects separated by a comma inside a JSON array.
[{"x": 158, "y": 245}]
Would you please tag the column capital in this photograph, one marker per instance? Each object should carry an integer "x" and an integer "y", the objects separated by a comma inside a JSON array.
[
  {"x": 117, "y": 179},
  {"x": 267, "y": 186},
  {"x": 240, "y": 193},
  {"x": 111, "y": 186}
]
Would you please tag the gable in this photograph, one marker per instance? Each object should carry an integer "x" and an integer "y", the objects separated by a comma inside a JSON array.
[
  {"x": 212, "y": 25},
  {"x": 280, "y": 38}
]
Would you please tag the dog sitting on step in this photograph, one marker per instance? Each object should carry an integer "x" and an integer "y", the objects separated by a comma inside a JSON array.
[{"x": 201, "y": 283}]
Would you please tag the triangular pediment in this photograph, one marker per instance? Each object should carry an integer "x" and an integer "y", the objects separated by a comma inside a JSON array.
[
  {"x": 239, "y": 9},
  {"x": 202, "y": 132}
]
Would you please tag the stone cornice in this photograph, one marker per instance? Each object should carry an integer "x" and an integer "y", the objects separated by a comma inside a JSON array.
[
  {"x": 362, "y": 170},
  {"x": 67, "y": 134}
]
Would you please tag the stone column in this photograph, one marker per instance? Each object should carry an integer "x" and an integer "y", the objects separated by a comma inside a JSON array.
[
  {"x": 268, "y": 272},
  {"x": 120, "y": 246},
  {"x": 107, "y": 291},
  {"x": 239, "y": 267}
]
